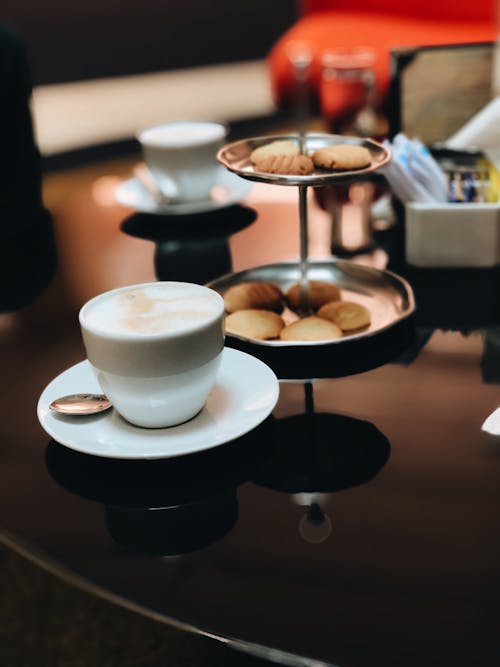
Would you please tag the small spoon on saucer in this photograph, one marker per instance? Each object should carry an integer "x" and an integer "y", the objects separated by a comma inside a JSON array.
[
  {"x": 80, "y": 404},
  {"x": 142, "y": 173}
]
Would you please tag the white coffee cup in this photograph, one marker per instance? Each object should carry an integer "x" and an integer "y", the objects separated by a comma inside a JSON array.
[
  {"x": 181, "y": 157},
  {"x": 155, "y": 349}
]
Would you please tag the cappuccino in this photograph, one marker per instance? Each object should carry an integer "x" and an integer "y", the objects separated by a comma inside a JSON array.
[
  {"x": 155, "y": 349},
  {"x": 158, "y": 308}
]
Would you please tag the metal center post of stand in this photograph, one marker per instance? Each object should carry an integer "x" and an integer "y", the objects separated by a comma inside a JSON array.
[{"x": 304, "y": 251}]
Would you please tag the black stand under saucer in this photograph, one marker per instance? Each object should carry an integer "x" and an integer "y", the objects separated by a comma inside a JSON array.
[{"x": 194, "y": 247}]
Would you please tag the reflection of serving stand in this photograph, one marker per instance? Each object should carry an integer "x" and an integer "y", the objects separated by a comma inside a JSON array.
[
  {"x": 317, "y": 454},
  {"x": 321, "y": 452},
  {"x": 386, "y": 295}
]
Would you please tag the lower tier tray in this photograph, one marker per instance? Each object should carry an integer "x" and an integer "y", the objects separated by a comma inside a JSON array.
[{"x": 388, "y": 297}]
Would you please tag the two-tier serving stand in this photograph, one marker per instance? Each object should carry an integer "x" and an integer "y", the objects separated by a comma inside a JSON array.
[{"x": 388, "y": 296}]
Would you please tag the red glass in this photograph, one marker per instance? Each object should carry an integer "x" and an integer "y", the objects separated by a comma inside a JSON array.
[{"x": 347, "y": 86}]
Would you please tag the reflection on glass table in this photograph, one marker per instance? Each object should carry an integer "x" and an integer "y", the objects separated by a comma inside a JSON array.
[
  {"x": 164, "y": 507},
  {"x": 318, "y": 454}
]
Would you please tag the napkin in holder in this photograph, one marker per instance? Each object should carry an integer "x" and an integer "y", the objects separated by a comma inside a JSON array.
[{"x": 440, "y": 233}]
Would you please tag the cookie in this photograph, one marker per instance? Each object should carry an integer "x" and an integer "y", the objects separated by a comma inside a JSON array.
[
  {"x": 342, "y": 157},
  {"x": 346, "y": 314},
  {"x": 311, "y": 328},
  {"x": 259, "y": 324},
  {"x": 297, "y": 165},
  {"x": 280, "y": 147},
  {"x": 260, "y": 295},
  {"x": 319, "y": 291}
]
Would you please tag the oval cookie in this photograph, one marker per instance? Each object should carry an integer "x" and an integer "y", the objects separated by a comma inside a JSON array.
[
  {"x": 320, "y": 292},
  {"x": 346, "y": 314},
  {"x": 260, "y": 295},
  {"x": 279, "y": 147},
  {"x": 311, "y": 328},
  {"x": 297, "y": 165},
  {"x": 259, "y": 324},
  {"x": 342, "y": 157}
]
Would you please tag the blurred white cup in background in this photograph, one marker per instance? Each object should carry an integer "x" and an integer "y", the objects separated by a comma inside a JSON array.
[{"x": 181, "y": 157}]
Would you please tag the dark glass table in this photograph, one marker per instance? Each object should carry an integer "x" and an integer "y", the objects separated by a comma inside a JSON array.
[{"x": 357, "y": 526}]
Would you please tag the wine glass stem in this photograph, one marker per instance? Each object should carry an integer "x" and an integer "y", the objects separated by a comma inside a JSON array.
[{"x": 304, "y": 292}]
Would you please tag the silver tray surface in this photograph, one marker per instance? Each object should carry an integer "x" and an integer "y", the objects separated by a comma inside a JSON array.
[
  {"x": 388, "y": 297},
  {"x": 236, "y": 157}
]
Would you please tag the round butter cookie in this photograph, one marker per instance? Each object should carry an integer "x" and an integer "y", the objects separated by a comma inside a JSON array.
[
  {"x": 311, "y": 328},
  {"x": 260, "y": 295},
  {"x": 320, "y": 292},
  {"x": 348, "y": 315},
  {"x": 342, "y": 157},
  {"x": 259, "y": 324},
  {"x": 279, "y": 147}
]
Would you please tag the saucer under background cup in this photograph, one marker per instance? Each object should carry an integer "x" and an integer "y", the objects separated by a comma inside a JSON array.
[{"x": 229, "y": 189}]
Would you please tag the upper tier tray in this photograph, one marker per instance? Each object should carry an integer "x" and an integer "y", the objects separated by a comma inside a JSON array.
[{"x": 236, "y": 157}]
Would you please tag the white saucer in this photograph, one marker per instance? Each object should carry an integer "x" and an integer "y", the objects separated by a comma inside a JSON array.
[
  {"x": 230, "y": 189},
  {"x": 245, "y": 394}
]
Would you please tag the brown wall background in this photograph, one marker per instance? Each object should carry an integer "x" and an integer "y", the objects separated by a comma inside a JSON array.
[{"x": 69, "y": 40}]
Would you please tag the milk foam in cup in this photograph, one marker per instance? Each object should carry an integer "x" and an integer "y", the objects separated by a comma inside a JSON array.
[
  {"x": 155, "y": 349},
  {"x": 181, "y": 157}
]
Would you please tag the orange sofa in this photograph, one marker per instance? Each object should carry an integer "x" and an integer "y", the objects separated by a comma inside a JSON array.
[{"x": 379, "y": 24}]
